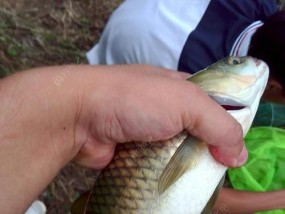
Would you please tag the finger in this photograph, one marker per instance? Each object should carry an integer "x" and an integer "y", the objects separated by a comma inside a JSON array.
[
  {"x": 228, "y": 160},
  {"x": 212, "y": 124},
  {"x": 154, "y": 70},
  {"x": 95, "y": 155},
  {"x": 180, "y": 75},
  {"x": 176, "y": 74}
]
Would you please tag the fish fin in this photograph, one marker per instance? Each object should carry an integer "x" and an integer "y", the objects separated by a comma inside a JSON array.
[
  {"x": 80, "y": 204},
  {"x": 209, "y": 206},
  {"x": 184, "y": 158}
]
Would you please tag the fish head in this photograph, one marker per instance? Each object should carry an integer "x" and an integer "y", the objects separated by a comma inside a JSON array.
[{"x": 237, "y": 84}]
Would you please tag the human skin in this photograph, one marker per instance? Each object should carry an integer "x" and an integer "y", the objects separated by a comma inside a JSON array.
[
  {"x": 50, "y": 116},
  {"x": 243, "y": 202}
]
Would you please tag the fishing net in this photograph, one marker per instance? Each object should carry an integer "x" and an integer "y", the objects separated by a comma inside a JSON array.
[{"x": 265, "y": 168}]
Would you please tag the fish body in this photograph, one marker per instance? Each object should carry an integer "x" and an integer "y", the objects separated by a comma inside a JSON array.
[{"x": 178, "y": 175}]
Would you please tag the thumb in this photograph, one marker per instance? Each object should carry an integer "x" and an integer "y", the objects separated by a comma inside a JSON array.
[
  {"x": 211, "y": 123},
  {"x": 152, "y": 70}
]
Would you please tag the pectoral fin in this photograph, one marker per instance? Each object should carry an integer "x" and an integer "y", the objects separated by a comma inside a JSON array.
[
  {"x": 79, "y": 206},
  {"x": 185, "y": 157}
]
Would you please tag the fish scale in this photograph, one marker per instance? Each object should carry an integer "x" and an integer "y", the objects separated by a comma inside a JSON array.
[{"x": 140, "y": 169}]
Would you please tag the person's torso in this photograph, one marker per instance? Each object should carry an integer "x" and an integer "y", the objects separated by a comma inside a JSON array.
[{"x": 181, "y": 35}]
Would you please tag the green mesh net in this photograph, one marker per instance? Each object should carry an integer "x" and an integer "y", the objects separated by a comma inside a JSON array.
[{"x": 265, "y": 168}]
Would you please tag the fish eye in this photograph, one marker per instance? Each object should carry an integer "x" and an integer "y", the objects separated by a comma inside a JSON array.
[{"x": 234, "y": 61}]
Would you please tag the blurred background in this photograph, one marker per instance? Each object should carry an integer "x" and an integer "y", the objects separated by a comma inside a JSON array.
[
  {"x": 48, "y": 32},
  {"x": 51, "y": 32}
]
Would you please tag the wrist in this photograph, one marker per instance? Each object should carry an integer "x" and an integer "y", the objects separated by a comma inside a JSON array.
[{"x": 33, "y": 108}]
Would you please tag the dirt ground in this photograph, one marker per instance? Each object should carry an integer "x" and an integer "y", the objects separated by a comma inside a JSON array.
[
  {"x": 34, "y": 33},
  {"x": 52, "y": 32}
]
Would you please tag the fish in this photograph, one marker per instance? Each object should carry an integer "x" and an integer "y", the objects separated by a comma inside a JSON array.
[{"x": 178, "y": 175}]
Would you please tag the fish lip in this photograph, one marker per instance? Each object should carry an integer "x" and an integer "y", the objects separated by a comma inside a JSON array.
[
  {"x": 257, "y": 61},
  {"x": 228, "y": 101}
]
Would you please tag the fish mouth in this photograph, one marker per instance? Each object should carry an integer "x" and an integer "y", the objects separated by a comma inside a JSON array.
[
  {"x": 257, "y": 62},
  {"x": 249, "y": 94},
  {"x": 242, "y": 112},
  {"x": 228, "y": 104},
  {"x": 232, "y": 108}
]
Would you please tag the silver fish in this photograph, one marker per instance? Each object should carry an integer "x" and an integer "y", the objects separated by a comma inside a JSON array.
[{"x": 178, "y": 175}]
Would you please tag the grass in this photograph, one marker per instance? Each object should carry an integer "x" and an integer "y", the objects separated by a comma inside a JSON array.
[{"x": 36, "y": 33}]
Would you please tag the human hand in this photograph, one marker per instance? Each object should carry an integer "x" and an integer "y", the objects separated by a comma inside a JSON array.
[
  {"x": 94, "y": 108},
  {"x": 50, "y": 116},
  {"x": 127, "y": 109},
  {"x": 238, "y": 201},
  {"x": 124, "y": 107}
]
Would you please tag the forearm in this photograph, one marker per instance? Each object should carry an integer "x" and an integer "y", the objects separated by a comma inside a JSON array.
[
  {"x": 24, "y": 172},
  {"x": 233, "y": 201},
  {"x": 28, "y": 155}
]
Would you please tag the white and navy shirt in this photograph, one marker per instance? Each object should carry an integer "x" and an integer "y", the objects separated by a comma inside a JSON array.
[{"x": 186, "y": 35}]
